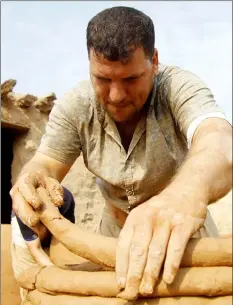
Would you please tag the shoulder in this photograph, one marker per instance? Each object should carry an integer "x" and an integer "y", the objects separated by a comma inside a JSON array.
[
  {"x": 78, "y": 102},
  {"x": 167, "y": 72},
  {"x": 173, "y": 78},
  {"x": 82, "y": 95}
]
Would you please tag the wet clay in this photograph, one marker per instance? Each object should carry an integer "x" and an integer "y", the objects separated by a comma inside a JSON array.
[
  {"x": 195, "y": 281},
  {"x": 207, "y": 252},
  {"x": 225, "y": 300},
  {"x": 200, "y": 252},
  {"x": 28, "y": 278},
  {"x": 45, "y": 299},
  {"x": 93, "y": 247},
  {"x": 36, "y": 297},
  {"x": 65, "y": 259},
  {"x": 101, "y": 250},
  {"x": 58, "y": 286}
]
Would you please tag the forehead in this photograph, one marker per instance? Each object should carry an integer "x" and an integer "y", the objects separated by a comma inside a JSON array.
[{"x": 138, "y": 63}]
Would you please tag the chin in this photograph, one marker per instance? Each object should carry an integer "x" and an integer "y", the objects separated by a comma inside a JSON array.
[
  {"x": 121, "y": 115},
  {"x": 121, "y": 119}
]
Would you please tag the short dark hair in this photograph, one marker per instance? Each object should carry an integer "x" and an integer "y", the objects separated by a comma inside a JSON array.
[{"x": 116, "y": 32}]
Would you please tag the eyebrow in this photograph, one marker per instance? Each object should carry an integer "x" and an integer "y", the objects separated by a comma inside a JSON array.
[
  {"x": 99, "y": 76},
  {"x": 128, "y": 77},
  {"x": 134, "y": 76}
]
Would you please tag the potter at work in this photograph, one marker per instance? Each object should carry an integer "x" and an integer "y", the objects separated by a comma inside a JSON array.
[{"x": 159, "y": 146}]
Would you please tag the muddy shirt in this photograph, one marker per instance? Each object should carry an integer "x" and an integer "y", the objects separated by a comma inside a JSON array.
[{"x": 79, "y": 124}]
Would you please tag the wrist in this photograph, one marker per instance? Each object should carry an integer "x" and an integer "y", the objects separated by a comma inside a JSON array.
[
  {"x": 184, "y": 203},
  {"x": 33, "y": 167},
  {"x": 184, "y": 193}
]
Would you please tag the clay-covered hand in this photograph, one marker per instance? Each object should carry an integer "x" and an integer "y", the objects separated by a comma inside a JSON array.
[
  {"x": 155, "y": 232},
  {"x": 25, "y": 197}
]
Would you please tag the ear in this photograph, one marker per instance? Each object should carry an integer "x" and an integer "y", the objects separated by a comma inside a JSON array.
[{"x": 155, "y": 61}]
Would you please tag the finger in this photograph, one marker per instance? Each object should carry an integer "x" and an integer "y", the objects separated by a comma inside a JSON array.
[
  {"x": 137, "y": 262},
  {"x": 155, "y": 258},
  {"x": 55, "y": 190},
  {"x": 176, "y": 247},
  {"x": 24, "y": 211},
  {"x": 27, "y": 186},
  {"x": 47, "y": 205},
  {"x": 122, "y": 255}
]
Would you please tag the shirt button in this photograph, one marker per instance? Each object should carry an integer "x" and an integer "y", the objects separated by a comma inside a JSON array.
[{"x": 130, "y": 193}]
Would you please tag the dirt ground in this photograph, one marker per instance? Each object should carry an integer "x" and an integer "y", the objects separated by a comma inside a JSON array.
[{"x": 9, "y": 286}]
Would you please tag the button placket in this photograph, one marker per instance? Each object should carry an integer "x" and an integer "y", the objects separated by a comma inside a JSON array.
[
  {"x": 130, "y": 193},
  {"x": 128, "y": 184}
]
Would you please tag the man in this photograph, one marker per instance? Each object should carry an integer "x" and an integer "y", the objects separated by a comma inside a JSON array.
[{"x": 156, "y": 140}]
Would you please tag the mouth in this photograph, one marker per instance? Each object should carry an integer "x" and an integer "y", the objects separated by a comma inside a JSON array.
[{"x": 119, "y": 105}]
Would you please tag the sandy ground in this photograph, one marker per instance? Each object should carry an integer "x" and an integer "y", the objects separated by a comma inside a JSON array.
[{"x": 9, "y": 286}]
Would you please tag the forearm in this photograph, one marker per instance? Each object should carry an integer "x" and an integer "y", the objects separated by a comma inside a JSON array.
[
  {"x": 41, "y": 257},
  {"x": 206, "y": 174},
  {"x": 46, "y": 166},
  {"x": 34, "y": 166},
  {"x": 37, "y": 252}
]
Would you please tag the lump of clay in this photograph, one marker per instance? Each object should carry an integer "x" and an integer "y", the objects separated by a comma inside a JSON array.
[
  {"x": 45, "y": 103},
  {"x": 23, "y": 100},
  {"x": 194, "y": 281},
  {"x": 7, "y": 86}
]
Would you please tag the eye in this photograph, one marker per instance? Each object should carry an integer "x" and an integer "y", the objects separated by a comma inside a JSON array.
[
  {"x": 104, "y": 80},
  {"x": 131, "y": 79}
]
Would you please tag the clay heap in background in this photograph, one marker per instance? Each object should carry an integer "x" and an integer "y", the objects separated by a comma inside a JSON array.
[
  {"x": 205, "y": 276},
  {"x": 44, "y": 104}
]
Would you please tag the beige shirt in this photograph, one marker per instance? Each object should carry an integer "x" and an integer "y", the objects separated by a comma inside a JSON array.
[{"x": 78, "y": 123}]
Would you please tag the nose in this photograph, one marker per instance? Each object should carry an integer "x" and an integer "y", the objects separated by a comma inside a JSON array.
[{"x": 117, "y": 93}]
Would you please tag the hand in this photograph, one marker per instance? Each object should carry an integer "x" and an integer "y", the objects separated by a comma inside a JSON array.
[
  {"x": 154, "y": 230},
  {"x": 25, "y": 197}
]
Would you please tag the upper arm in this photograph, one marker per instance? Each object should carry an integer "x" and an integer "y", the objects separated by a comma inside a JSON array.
[
  {"x": 61, "y": 141},
  {"x": 190, "y": 101},
  {"x": 214, "y": 133}
]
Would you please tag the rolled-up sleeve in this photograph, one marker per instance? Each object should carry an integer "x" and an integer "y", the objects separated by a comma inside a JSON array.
[{"x": 61, "y": 140}]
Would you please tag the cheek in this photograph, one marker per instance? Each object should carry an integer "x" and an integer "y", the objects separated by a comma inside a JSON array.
[
  {"x": 139, "y": 96},
  {"x": 145, "y": 89},
  {"x": 101, "y": 92}
]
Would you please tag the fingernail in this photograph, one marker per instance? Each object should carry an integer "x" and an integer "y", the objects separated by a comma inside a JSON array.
[
  {"x": 121, "y": 282},
  {"x": 147, "y": 288},
  {"x": 168, "y": 278}
]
